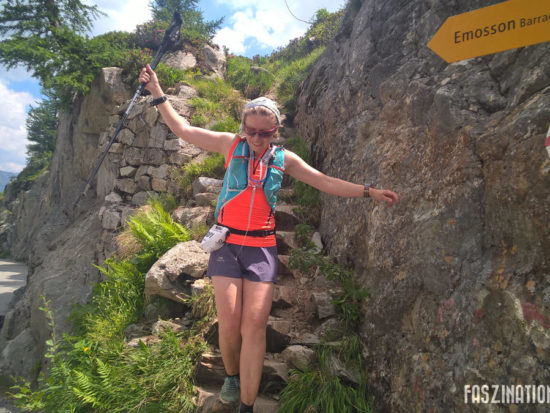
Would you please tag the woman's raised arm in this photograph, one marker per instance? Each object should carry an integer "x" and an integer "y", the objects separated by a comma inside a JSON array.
[{"x": 203, "y": 138}]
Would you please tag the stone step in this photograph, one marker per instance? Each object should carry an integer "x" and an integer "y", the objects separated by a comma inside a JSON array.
[
  {"x": 207, "y": 402},
  {"x": 282, "y": 296},
  {"x": 210, "y": 371},
  {"x": 277, "y": 331}
]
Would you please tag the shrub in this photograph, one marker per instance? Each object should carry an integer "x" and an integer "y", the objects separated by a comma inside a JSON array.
[
  {"x": 290, "y": 77},
  {"x": 212, "y": 166},
  {"x": 307, "y": 197},
  {"x": 251, "y": 83},
  {"x": 156, "y": 232},
  {"x": 350, "y": 298}
]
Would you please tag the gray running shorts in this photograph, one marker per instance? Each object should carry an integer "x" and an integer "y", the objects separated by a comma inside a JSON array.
[{"x": 252, "y": 263}]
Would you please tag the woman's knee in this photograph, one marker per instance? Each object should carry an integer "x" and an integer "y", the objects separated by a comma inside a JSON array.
[
  {"x": 253, "y": 326},
  {"x": 229, "y": 325}
]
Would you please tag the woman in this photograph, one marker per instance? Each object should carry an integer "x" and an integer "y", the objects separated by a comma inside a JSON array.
[{"x": 244, "y": 269}]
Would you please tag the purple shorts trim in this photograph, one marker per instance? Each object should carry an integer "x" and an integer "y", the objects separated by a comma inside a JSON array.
[{"x": 252, "y": 263}]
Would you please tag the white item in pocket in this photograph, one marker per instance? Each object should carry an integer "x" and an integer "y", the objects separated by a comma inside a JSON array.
[{"x": 214, "y": 238}]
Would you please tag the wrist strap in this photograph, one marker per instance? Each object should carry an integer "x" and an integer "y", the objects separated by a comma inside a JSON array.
[
  {"x": 159, "y": 100},
  {"x": 366, "y": 190}
]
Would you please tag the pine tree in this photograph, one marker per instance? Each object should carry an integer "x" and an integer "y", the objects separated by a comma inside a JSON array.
[
  {"x": 41, "y": 124},
  {"x": 193, "y": 26},
  {"x": 46, "y": 37}
]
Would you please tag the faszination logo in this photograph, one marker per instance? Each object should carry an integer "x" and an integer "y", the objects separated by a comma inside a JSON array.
[{"x": 506, "y": 394}]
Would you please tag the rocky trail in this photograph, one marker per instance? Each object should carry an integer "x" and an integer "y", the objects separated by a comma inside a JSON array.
[
  {"x": 302, "y": 308},
  {"x": 290, "y": 331}
]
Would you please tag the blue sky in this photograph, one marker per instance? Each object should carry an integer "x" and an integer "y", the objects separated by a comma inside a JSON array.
[{"x": 250, "y": 27}]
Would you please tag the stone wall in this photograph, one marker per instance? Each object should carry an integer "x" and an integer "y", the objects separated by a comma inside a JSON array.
[{"x": 459, "y": 272}]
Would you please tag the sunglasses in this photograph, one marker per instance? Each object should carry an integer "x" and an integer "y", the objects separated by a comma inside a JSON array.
[{"x": 261, "y": 133}]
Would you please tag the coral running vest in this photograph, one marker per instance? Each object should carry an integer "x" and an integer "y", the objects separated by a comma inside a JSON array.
[{"x": 249, "y": 194}]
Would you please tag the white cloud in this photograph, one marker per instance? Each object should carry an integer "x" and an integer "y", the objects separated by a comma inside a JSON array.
[
  {"x": 122, "y": 15},
  {"x": 13, "y": 133},
  {"x": 269, "y": 23}
]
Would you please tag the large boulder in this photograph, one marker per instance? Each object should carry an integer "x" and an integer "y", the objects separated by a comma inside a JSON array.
[
  {"x": 458, "y": 272},
  {"x": 180, "y": 60},
  {"x": 171, "y": 275},
  {"x": 214, "y": 60}
]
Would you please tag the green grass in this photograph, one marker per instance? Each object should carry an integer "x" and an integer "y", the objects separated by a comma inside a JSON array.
[
  {"x": 314, "y": 391},
  {"x": 213, "y": 166},
  {"x": 305, "y": 196},
  {"x": 217, "y": 102},
  {"x": 290, "y": 76},
  {"x": 91, "y": 369},
  {"x": 251, "y": 83}
]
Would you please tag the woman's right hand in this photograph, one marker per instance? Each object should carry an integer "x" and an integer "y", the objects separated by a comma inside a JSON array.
[{"x": 149, "y": 77}]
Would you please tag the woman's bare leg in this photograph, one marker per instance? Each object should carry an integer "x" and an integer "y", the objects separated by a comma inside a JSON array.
[
  {"x": 257, "y": 299},
  {"x": 229, "y": 296}
]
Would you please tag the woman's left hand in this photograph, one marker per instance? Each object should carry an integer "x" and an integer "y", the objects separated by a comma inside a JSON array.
[{"x": 389, "y": 197}]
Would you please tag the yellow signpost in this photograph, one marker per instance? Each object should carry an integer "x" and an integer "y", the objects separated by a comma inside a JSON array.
[{"x": 503, "y": 26}]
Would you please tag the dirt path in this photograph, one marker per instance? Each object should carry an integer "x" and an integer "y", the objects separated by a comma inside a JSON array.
[{"x": 13, "y": 275}]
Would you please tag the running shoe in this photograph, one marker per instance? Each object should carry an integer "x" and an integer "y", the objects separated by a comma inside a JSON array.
[{"x": 231, "y": 390}]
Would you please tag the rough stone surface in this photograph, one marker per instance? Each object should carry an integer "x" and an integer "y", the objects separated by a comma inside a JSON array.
[
  {"x": 206, "y": 199},
  {"x": 300, "y": 357},
  {"x": 285, "y": 217},
  {"x": 110, "y": 219},
  {"x": 458, "y": 271},
  {"x": 323, "y": 304},
  {"x": 60, "y": 243},
  {"x": 214, "y": 59},
  {"x": 180, "y": 60},
  {"x": 192, "y": 217},
  {"x": 167, "y": 276},
  {"x": 277, "y": 335},
  {"x": 282, "y": 297},
  {"x": 204, "y": 184}
]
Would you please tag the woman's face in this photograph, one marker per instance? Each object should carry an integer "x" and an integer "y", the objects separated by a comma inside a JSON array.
[{"x": 259, "y": 131}]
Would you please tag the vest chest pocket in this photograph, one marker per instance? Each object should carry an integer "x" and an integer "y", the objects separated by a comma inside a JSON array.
[{"x": 237, "y": 173}]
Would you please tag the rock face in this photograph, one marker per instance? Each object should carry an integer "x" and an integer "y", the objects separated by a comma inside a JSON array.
[{"x": 459, "y": 272}]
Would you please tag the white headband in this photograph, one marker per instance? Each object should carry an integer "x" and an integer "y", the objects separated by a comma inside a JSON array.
[{"x": 266, "y": 103}]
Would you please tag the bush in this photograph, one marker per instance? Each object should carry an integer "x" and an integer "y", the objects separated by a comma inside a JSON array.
[
  {"x": 307, "y": 197},
  {"x": 291, "y": 76},
  {"x": 156, "y": 232},
  {"x": 217, "y": 105},
  {"x": 251, "y": 83},
  {"x": 350, "y": 298},
  {"x": 212, "y": 166}
]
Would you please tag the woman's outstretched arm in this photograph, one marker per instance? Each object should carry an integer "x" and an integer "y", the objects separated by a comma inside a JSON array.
[{"x": 300, "y": 170}]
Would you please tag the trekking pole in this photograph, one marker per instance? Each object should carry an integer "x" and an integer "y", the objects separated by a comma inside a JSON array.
[{"x": 171, "y": 37}]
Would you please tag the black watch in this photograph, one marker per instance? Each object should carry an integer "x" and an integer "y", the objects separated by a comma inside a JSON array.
[{"x": 159, "y": 100}]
